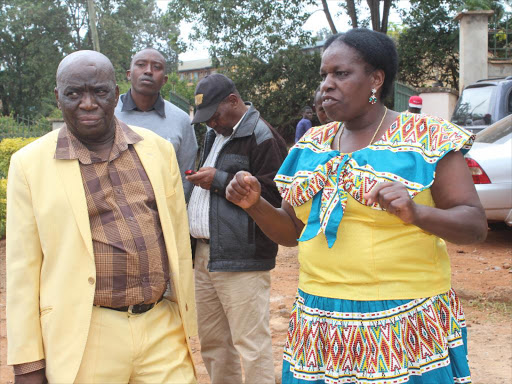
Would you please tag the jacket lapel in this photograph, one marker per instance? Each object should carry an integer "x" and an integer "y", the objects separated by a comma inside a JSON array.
[{"x": 69, "y": 171}]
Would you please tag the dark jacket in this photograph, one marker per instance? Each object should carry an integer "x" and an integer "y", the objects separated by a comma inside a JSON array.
[{"x": 236, "y": 242}]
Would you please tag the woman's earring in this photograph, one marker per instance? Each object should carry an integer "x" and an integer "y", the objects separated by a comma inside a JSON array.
[{"x": 373, "y": 98}]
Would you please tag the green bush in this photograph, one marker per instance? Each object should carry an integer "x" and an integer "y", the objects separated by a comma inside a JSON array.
[
  {"x": 7, "y": 148},
  {"x": 3, "y": 202}
]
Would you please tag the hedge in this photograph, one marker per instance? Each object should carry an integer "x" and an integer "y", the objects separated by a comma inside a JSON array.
[{"x": 7, "y": 148}]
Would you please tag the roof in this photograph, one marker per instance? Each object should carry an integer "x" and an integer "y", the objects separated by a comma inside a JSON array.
[{"x": 191, "y": 65}]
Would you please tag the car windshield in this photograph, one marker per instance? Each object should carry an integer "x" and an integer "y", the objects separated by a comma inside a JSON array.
[{"x": 473, "y": 107}]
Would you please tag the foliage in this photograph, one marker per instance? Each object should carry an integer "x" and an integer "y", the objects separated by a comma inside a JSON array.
[
  {"x": 260, "y": 46},
  {"x": 11, "y": 126},
  {"x": 7, "y": 149},
  {"x": 36, "y": 35},
  {"x": 428, "y": 43},
  {"x": 3, "y": 204},
  {"x": 244, "y": 27},
  {"x": 280, "y": 87},
  {"x": 184, "y": 88},
  {"x": 33, "y": 36}
]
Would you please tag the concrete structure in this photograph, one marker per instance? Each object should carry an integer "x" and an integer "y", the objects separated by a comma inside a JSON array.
[
  {"x": 56, "y": 123},
  {"x": 499, "y": 68},
  {"x": 474, "y": 26},
  {"x": 438, "y": 101}
]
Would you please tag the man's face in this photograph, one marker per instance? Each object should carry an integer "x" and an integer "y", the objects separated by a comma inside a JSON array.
[
  {"x": 147, "y": 72},
  {"x": 87, "y": 95},
  {"x": 308, "y": 114},
  {"x": 222, "y": 120}
]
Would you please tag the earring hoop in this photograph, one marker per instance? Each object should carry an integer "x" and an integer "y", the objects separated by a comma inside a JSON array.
[{"x": 373, "y": 99}]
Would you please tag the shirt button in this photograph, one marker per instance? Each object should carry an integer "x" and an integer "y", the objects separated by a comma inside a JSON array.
[
  {"x": 91, "y": 280},
  {"x": 145, "y": 279},
  {"x": 118, "y": 190},
  {"x": 131, "y": 218}
]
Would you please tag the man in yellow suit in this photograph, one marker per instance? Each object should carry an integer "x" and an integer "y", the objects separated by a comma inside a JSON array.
[{"x": 99, "y": 273}]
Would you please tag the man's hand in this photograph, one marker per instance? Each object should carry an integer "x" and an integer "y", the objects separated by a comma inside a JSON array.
[
  {"x": 394, "y": 198},
  {"x": 203, "y": 177},
  {"x": 36, "y": 377},
  {"x": 244, "y": 190}
]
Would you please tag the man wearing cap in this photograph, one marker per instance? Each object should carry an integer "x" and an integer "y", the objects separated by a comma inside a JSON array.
[
  {"x": 415, "y": 104},
  {"x": 233, "y": 257},
  {"x": 144, "y": 106}
]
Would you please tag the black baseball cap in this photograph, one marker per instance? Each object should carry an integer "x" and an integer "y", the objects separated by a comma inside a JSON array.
[{"x": 210, "y": 91}]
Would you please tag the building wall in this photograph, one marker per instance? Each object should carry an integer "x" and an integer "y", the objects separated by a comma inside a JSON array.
[
  {"x": 499, "y": 68},
  {"x": 473, "y": 46},
  {"x": 440, "y": 103}
]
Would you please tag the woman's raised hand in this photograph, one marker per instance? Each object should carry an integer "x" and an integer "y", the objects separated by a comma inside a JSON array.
[
  {"x": 394, "y": 198},
  {"x": 244, "y": 190}
]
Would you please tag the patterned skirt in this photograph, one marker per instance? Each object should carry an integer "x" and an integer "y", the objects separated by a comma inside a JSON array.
[{"x": 392, "y": 341}]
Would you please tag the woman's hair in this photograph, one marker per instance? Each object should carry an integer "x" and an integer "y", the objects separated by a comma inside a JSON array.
[{"x": 375, "y": 48}]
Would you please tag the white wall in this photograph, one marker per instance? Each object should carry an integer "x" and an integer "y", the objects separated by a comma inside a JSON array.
[{"x": 440, "y": 104}]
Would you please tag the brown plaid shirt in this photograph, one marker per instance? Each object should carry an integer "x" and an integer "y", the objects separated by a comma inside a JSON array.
[{"x": 129, "y": 249}]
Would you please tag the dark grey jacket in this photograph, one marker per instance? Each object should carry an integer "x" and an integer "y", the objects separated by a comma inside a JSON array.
[{"x": 236, "y": 242}]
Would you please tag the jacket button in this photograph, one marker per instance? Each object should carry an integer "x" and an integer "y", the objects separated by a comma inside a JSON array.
[{"x": 91, "y": 280}]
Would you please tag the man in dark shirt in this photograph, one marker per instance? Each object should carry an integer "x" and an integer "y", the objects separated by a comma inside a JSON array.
[
  {"x": 304, "y": 124},
  {"x": 96, "y": 235}
]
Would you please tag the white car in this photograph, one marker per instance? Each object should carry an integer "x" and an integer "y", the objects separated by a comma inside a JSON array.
[{"x": 490, "y": 163}]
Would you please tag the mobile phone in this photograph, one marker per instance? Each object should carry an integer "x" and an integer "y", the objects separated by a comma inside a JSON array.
[{"x": 189, "y": 172}]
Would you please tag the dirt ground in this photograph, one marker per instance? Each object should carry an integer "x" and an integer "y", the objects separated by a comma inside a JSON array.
[{"x": 482, "y": 276}]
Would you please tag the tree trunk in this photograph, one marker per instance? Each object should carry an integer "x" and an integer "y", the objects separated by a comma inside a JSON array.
[
  {"x": 351, "y": 10},
  {"x": 385, "y": 16},
  {"x": 374, "y": 6},
  {"x": 328, "y": 16}
]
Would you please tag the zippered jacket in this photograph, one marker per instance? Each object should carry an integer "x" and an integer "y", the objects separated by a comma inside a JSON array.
[{"x": 236, "y": 242}]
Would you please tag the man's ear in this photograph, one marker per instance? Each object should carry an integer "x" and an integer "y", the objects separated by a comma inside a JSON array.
[
  {"x": 233, "y": 99},
  {"x": 128, "y": 75},
  {"x": 56, "y": 92},
  {"x": 165, "y": 79}
]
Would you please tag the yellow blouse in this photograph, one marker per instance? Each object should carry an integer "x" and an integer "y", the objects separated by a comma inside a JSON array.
[{"x": 375, "y": 257}]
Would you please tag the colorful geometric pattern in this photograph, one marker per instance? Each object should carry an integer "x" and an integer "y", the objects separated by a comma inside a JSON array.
[
  {"x": 406, "y": 153},
  {"x": 389, "y": 345}
]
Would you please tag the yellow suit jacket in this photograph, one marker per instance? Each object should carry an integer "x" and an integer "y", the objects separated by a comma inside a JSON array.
[{"x": 51, "y": 273}]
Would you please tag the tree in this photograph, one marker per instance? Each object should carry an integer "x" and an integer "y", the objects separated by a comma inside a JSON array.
[
  {"x": 279, "y": 87},
  {"x": 34, "y": 37},
  {"x": 352, "y": 9},
  {"x": 428, "y": 43},
  {"x": 260, "y": 44}
]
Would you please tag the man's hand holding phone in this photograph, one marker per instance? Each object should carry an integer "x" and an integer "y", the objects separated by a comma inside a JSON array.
[{"x": 202, "y": 178}]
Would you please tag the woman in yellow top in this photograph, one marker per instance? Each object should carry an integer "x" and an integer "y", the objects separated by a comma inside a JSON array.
[{"x": 370, "y": 202}]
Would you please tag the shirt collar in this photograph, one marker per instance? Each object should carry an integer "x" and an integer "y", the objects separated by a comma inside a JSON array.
[
  {"x": 129, "y": 104},
  {"x": 235, "y": 127},
  {"x": 70, "y": 148}
]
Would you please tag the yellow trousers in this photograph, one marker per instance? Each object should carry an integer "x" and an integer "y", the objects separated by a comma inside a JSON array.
[{"x": 144, "y": 348}]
